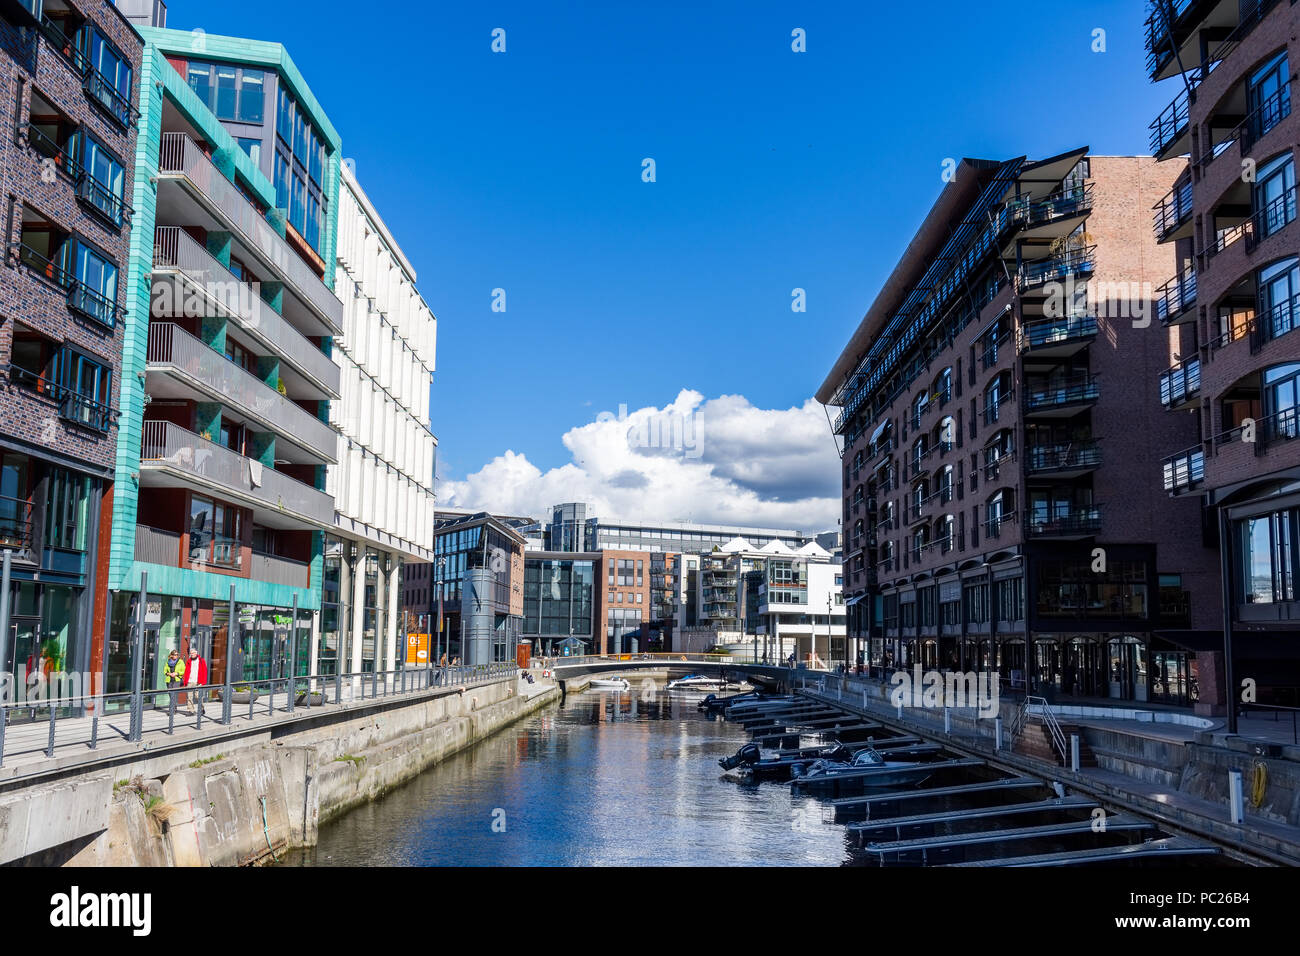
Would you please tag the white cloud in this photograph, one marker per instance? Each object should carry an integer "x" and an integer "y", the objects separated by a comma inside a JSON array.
[{"x": 720, "y": 461}]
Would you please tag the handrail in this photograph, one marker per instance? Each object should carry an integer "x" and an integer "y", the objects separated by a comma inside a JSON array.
[
  {"x": 1184, "y": 469},
  {"x": 1173, "y": 209},
  {"x": 1257, "y": 227},
  {"x": 1053, "y": 725},
  {"x": 1170, "y": 125},
  {"x": 1176, "y": 296},
  {"x": 1181, "y": 382}
]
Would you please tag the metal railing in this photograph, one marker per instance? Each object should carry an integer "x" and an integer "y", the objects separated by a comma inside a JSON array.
[
  {"x": 279, "y": 570},
  {"x": 993, "y": 526},
  {"x": 1180, "y": 383},
  {"x": 100, "y": 197},
  {"x": 81, "y": 297},
  {"x": 1072, "y": 262},
  {"x": 1259, "y": 226},
  {"x": 1158, "y": 23},
  {"x": 1075, "y": 521},
  {"x": 1077, "y": 454},
  {"x": 169, "y": 446},
  {"x": 1264, "y": 117},
  {"x": 1184, "y": 470},
  {"x": 993, "y": 409},
  {"x": 1176, "y": 296},
  {"x": 15, "y": 523},
  {"x": 86, "y": 721},
  {"x": 1172, "y": 123},
  {"x": 1173, "y": 209},
  {"x": 106, "y": 95},
  {"x": 174, "y": 249},
  {"x": 173, "y": 348},
  {"x": 1063, "y": 204},
  {"x": 1078, "y": 389},
  {"x": 180, "y": 155},
  {"x": 157, "y": 546},
  {"x": 1053, "y": 331}
]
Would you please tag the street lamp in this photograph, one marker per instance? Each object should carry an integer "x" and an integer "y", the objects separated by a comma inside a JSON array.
[{"x": 441, "y": 563}]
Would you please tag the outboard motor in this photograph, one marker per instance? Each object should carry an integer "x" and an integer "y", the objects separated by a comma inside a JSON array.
[
  {"x": 838, "y": 753},
  {"x": 746, "y": 755},
  {"x": 707, "y": 702}
]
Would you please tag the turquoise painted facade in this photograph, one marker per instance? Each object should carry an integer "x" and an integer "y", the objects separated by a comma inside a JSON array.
[{"x": 160, "y": 83}]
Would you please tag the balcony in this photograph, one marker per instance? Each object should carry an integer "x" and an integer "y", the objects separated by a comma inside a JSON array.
[
  {"x": 1180, "y": 385},
  {"x": 178, "y": 255},
  {"x": 1171, "y": 130},
  {"x": 1063, "y": 399},
  {"x": 1173, "y": 214},
  {"x": 101, "y": 199},
  {"x": 195, "y": 370},
  {"x": 1077, "y": 262},
  {"x": 171, "y": 456},
  {"x": 1185, "y": 470},
  {"x": 1065, "y": 460},
  {"x": 1282, "y": 426},
  {"x": 181, "y": 161},
  {"x": 16, "y": 526},
  {"x": 72, "y": 405},
  {"x": 1050, "y": 217},
  {"x": 1175, "y": 300},
  {"x": 157, "y": 546},
  {"x": 279, "y": 570},
  {"x": 1165, "y": 15},
  {"x": 1263, "y": 223},
  {"x": 996, "y": 526},
  {"x": 108, "y": 98},
  {"x": 1075, "y": 522},
  {"x": 82, "y": 299},
  {"x": 1264, "y": 117},
  {"x": 1058, "y": 337}
]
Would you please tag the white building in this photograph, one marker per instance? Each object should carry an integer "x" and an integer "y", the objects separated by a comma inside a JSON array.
[{"x": 383, "y": 483}]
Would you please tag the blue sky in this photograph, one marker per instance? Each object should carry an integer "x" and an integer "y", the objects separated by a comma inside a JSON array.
[{"x": 775, "y": 170}]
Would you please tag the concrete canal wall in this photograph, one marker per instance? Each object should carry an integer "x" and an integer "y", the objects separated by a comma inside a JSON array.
[{"x": 242, "y": 799}]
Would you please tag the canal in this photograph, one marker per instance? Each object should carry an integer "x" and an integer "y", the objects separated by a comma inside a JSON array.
[{"x": 600, "y": 779}]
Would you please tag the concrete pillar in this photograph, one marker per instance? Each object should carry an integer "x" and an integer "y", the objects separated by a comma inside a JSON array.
[
  {"x": 394, "y": 613},
  {"x": 313, "y": 656},
  {"x": 358, "y": 616}
]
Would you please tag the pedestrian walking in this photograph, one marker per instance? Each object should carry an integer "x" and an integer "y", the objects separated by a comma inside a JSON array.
[{"x": 196, "y": 675}]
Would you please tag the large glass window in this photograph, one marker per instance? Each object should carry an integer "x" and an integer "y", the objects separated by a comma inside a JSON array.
[
  {"x": 252, "y": 92},
  {"x": 96, "y": 276},
  {"x": 1273, "y": 196},
  {"x": 67, "y": 514},
  {"x": 111, "y": 79},
  {"x": 1269, "y": 95},
  {"x": 1267, "y": 548},
  {"x": 86, "y": 388},
  {"x": 1279, "y": 298}
]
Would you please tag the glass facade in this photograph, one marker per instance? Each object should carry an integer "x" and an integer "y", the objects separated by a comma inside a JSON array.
[
  {"x": 301, "y": 159},
  {"x": 558, "y": 600}
]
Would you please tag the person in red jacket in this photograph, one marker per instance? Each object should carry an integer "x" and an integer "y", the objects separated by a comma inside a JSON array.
[{"x": 196, "y": 672}]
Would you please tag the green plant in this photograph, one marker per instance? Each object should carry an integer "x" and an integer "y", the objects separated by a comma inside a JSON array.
[
  {"x": 206, "y": 760},
  {"x": 279, "y": 386},
  {"x": 205, "y": 435},
  {"x": 350, "y": 758},
  {"x": 120, "y": 784}
]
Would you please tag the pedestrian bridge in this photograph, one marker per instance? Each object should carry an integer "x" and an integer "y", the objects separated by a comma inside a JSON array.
[{"x": 712, "y": 665}]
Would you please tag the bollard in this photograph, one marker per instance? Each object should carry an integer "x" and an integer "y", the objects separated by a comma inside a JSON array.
[
  {"x": 900, "y": 710},
  {"x": 997, "y": 733},
  {"x": 1074, "y": 752},
  {"x": 1236, "y": 799},
  {"x": 947, "y": 721},
  {"x": 864, "y": 700}
]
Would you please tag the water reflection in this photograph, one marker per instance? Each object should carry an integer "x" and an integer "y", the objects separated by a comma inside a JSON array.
[{"x": 604, "y": 779}]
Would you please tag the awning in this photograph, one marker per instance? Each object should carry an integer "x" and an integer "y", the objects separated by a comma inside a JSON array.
[
  {"x": 854, "y": 600},
  {"x": 880, "y": 430}
]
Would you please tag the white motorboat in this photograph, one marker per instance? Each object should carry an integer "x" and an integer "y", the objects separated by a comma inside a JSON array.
[
  {"x": 696, "y": 682},
  {"x": 610, "y": 683}
]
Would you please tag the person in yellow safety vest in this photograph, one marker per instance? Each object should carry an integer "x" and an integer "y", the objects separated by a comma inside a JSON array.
[{"x": 174, "y": 672}]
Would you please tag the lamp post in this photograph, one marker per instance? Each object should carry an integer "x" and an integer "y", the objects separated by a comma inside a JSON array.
[{"x": 440, "y": 564}]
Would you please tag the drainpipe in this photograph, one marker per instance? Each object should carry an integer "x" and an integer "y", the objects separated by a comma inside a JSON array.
[{"x": 1229, "y": 596}]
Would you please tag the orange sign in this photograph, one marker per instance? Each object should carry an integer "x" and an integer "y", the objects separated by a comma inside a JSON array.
[{"x": 417, "y": 648}]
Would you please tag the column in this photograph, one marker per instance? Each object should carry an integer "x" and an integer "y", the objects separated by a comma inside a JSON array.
[
  {"x": 394, "y": 612},
  {"x": 358, "y": 615}
]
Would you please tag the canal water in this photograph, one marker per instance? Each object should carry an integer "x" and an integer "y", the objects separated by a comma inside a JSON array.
[{"x": 601, "y": 779}]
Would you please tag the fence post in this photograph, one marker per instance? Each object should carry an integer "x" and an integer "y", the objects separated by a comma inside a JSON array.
[
  {"x": 997, "y": 733},
  {"x": 947, "y": 721},
  {"x": 4, "y": 643},
  {"x": 1236, "y": 799},
  {"x": 293, "y": 650},
  {"x": 1074, "y": 752}
]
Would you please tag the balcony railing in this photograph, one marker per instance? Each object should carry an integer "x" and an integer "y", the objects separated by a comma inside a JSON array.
[
  {"x": 105, "y": 95},
  {"x": 1184, "y": 470},
  {"x": 81, "y": 297},
  {"x": 1047, "y": 333},
  {"x": 172, "y": 348},
  {"x": 102, "y": 199},
  {"x": 1064, "y": 456},
  {"x": 1173, "y": 210},
  {"x": 1264, "y": 117},
  {"x": 1264, "y": 223},
  {"x": 157, "y": 546},
  {"x": 1074, "y": 262},
  {"x": 1068, "y": 392},
  {"x": 165, "y": 446},
  {"x": 1079, "y": 520},
  {"x": 1158, "y": 23},
  {"x": 1172, "y": 124},
  {"x": 1176, "y": 297},
  {"x": 180, "y": 155},
  {"x": 73, "y": 406},
  {"x": 993, "y": 409},
  {"x": 993, "y": 526},
  {"x": 1180, "y": 383},
  {"x": 1025, "y": 213},
  {"x": 279, "y": 570},
  {"x": 989, "y": 356},
  {"x": 176, "y": 250},
  {"x": 1281, "y": 426}
]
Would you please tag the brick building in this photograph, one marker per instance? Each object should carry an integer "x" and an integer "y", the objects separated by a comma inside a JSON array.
[
  {"x": 997, "y": 405},
  {"x": 1232, "y": 298},
  {"x": 70, "y": 74}
]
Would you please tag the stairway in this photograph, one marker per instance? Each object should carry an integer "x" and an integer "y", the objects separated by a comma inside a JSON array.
[{"x": 1036, "y": 742}]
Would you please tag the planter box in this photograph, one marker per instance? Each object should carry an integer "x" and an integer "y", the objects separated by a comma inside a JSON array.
[
  {"x": 317, "y": 698},
  {"x": 244, "y": 696}
]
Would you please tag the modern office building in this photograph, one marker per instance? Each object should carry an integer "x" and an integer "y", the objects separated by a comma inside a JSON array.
[
  {"x": 1232, "y": 298},
  {"x": 70, "y": 75},
  {"x": 996, "y": 422},
  {"x": 383, "y": 483},
  {"x": 227, "y": 373},
  {"x": 623, "y": 603},
  {"x": 478, "y": 569},
  {"x": 560, "y": 600}
]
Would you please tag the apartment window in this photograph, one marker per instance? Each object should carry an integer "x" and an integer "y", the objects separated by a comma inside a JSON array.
[
  {"x": 109, "y": 76},
  {"x": 253, "y": 147},
  {"x": 1011, "y": 599},
  {"x": 300, "y": 164},
  {"x": 231, "y": 92},
  {"x": 907, "y": 613},
  {"x": 1268, "y": 96},
  {"x": 1268, "y": 559},
  {"x": 975, "y": 601},
  {"x": 925, "y": 602},
  {"x": 1282, "y": 401},
  {"x": 214, "y": 533},
  {"x": 85, "y": 389},
  {"x": 102, "y": 179},
  {"x": 1273, "y": 196},
  {"x": 67, "y": 509}
]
